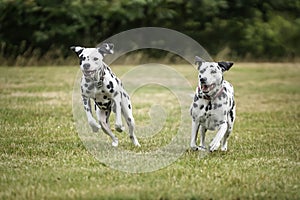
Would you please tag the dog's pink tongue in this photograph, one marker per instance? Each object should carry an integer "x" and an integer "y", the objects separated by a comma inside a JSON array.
[{"x": 204, "y": 87}]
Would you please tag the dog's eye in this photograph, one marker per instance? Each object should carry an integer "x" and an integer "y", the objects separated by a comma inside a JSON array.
[{"x": 95, "y": 59}]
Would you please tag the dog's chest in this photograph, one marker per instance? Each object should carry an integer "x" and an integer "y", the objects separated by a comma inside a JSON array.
[
  {"x": 210, "y": 113},
  {"x": 103, "y": 89}
]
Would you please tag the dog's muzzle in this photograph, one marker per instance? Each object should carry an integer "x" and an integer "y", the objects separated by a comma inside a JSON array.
[
  {"x": 89, "y": 73},
  {"x": 206, "y": 88}
]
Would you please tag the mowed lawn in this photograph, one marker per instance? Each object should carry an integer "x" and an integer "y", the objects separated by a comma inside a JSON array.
[{"x": 42, "y": 156}]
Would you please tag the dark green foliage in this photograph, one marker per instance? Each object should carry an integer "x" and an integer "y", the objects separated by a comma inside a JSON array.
[{"x": 250, "y": 29}]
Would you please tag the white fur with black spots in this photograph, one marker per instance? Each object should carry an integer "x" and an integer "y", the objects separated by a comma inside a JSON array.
[{"x": 99, "y": 83}]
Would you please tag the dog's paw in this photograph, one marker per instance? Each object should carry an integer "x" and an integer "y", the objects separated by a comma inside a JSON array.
[
  {"x": 115, "y": 142},
  {"x": 137, "y": 144},
  {"x": 224, "y": 146},
  {"x": 94, "y": 125},
  {"x": 198, "y": 148},
  {"x": 213, "y": 146},
  {"x": 135, "y": 141},
  {"x": 119, "y": 128}
]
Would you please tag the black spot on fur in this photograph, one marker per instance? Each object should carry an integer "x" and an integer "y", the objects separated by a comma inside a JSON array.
[
  {"x": 219, "y": 97},
  {"x": 231, "y": 112},
  {"x": 85, "y": 102},
  {"x": 111, "y": 84},
  {"x": 104, "y": 97},
  {"x": 213, "y": 71},
  {"x": 129, "y": 119},
  {"x": 196, "y": 98},
  {"x": 195, "y": 105},
  {"x": 208, "y": 107},
  {"x": 85, "y": 85},
  {"x": 215, "y": 106},
  {"x": 91, "y": 87},
  {"x": 111, "y": 91},
  {"x": 116, "y": 93},
  {"x": 201, "y": 107},
  {"x": 203, "y": 70},
  {"x": 117, "y": 80},
  {"x": 224, "y": 94},
  {"x": 129, "y": 106},
  {"x": 221, "y": 122},
  {"x": 125, "y": 95}
]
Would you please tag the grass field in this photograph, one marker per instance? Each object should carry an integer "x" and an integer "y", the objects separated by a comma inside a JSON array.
[{"x": 42, "y": 156}]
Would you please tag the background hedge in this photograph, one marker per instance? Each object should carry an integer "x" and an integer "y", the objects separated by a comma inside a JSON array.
[{"x": 241, "y": 29}]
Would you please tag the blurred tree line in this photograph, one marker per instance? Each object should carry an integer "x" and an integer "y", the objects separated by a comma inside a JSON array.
[{"x": 241, "y": 29}]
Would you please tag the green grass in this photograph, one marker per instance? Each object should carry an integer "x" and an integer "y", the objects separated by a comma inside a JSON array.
[{"x": 42, "y": 156}]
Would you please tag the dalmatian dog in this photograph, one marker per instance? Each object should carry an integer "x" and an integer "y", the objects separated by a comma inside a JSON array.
[
  {"x": 213, "y": 107},
  {"x": 100, "y": 84}
]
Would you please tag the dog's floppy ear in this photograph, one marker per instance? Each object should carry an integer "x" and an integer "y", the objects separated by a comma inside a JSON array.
[
  {"x": 77, "y": 49},
  {"x": 225, "y": 66},
  {"x": 106, "y": 48},
  {"x": 198, "y": 60}
]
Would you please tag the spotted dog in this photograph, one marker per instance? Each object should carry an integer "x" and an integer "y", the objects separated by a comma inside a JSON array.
[
  {"x": 99, "y": 83},
  {"x": 213, "y": 107}
]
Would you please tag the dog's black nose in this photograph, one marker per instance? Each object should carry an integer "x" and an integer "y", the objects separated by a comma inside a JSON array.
[
  {"x": 86, "y": 66},
  {"x": 203, "y": 80}
]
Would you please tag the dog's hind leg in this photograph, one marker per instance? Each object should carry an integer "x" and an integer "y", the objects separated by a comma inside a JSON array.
[
  {"x": 224, "y": 142},
  {"x": 118, "y": 125},
  {"x": 231, "y": 118},
  {"x": 104, "y": 121},
  {"x": 127, "y": 112}
]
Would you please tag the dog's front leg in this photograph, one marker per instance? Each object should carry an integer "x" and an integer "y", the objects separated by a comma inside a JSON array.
[
  {"x": 118, "y": 125},
  {"x": 195, "y": 129},
  {"x": 202, "y": 138},
  {"x": 87, "y": 107},
  {"x": 215, "y": 144}
]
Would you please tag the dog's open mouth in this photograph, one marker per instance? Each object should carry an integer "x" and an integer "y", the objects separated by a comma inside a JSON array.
[
  {"x": 206, "y": 88},
  {"x": 89, "y": 72}
]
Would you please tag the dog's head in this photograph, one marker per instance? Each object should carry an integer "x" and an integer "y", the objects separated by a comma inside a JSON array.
[
  {"x": 211, "y": 75},
  {"x": 91, "y": 59}
]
